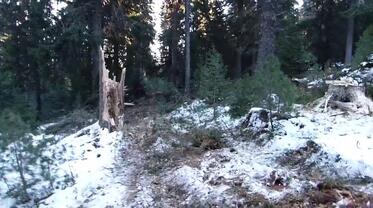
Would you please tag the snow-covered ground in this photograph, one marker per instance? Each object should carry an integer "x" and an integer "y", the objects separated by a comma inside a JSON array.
[
  {"x": 108, "y": 171},
  {"x": 199, "y": 114},
  {"x": 346, "y": 153},
  {"x": 89, "y": 158}
]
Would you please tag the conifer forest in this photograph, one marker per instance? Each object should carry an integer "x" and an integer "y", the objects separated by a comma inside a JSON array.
[{"x": 186, "y": 103}]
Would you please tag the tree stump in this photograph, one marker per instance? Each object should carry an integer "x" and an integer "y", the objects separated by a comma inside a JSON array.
[
  {"x": 346, "y": 95},
  {"x": 111, "y": 98}
]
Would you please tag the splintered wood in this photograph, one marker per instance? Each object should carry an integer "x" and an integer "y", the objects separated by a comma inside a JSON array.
[
  {"x": 111, "y": 98},
  {"x": 346, "y": 95}
]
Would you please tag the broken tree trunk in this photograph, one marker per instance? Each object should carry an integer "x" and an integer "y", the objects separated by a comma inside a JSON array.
[
  {"x": 346, "y": 95},
  {"x": 111, "y": 98}
]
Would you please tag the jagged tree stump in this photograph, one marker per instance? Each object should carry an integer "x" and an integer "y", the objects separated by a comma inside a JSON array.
[
  {"x": 346, "y": 95},
  {"x": 111, "y": 98}
]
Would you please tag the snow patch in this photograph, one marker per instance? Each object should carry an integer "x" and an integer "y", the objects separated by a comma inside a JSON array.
[
  {"x": 199, "y": 114},
  {"x": 89, "y": 158}
]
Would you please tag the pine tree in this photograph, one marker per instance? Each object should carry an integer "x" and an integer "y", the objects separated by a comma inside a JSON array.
[
  {"x": 211, "y": 83},
  {"x": 27, "y": 48},
  {"x": 242, "y": 21}
]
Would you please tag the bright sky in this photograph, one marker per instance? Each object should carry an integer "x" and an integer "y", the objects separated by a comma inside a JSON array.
[
  {"x": 155, "y": 47},
  {"x": 300, "y": 3}
]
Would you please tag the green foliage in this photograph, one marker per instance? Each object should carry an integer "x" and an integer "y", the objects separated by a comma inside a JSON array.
[
  {"x": 160, "y": 86},
  {"x": 6, "y": 89},
  {"x": 207, "y": 139},
  {"x": 370, "y": 91},
  {"x": 72, "y": 122},
  {"x": 166, "y": 95},
  {"x": 13, "y": 100},
  {"x": 23, "y": 153},
  {"x": 270, "y": 88},
  {"x": 364, "y": 47},
  {"x": 295, "y": 59},
  {"x": 12, "y": 127},
  {"x": 211, "y": 78},
  {"x": 291, "y": 46},
  {"x": 26, "y": 162}
]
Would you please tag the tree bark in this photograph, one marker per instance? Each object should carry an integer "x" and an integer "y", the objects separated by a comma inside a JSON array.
[
  {"x": 96, "y": 29},
  {"x": 267, "y": 32},
  {"x": 187, "y": 46},
  {"x": 111, "y": 97},
  {"x": 174, "y": 43},
  {"x": 38, "y": 93},
  {"x": 238, "y": 66},
  {"x": 98, "y": 61},
  {"x": 350, "y": 38}
]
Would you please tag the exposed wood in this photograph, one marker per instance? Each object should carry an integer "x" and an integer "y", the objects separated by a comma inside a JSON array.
[
  {"x": 346, "y": 95},
  {"x": 111, "y": 98}
]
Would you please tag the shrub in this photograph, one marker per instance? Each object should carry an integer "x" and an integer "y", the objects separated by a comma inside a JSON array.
[
  {"x": 160, "y": 86},
  {"x": 72, "y": 122},
  {"x": 166, "y": 95},
  {"x": 13, "y": 100},
  {"x": 206, "y": 139},
  {"x": 370, "y": 91},
  {"x": 270, "y": 88},
  {"x": 211, "y": 78},
  {"x": 25, "y": 163},
  {"x": 13, "y": 138},
  {"x": 12, "y": 127},
  {"x": 364, "y": 46}
]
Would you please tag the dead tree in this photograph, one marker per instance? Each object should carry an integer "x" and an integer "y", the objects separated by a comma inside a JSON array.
[
  {"x": 345, "y": 95},
  {"x": 111, "y": 98}
]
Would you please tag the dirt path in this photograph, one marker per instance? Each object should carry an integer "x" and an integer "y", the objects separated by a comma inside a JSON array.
[{"x": 154, "y": 149}]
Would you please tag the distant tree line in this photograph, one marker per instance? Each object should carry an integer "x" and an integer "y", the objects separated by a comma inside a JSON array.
[{"x": 49, "y": 61}]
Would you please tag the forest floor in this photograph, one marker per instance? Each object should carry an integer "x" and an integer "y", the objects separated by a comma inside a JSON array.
[{"x": 312, "y": 159}]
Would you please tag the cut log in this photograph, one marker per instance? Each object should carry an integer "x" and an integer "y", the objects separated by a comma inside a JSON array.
[
  {"x": 111, "y": 98},
  {"x": 346, "y": 95}
]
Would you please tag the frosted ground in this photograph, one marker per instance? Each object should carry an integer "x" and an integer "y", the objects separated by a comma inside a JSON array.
[{"x": 116, "y": 170}]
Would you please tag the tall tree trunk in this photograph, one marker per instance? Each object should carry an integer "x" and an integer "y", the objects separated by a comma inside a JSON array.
[
  {"x": 187, "y": 46},
  {"x": 111, "y": 97},
  {"x": 38, "y": 93},
  {"x": 350, "y": 37},
  {"x": 97, "y": 59},
  {"x": 96, "y": 29},
  {"x": 237, "y": 71},
  {"x": 174, "y": 40},
  {"x": 267, "y": 32}
]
